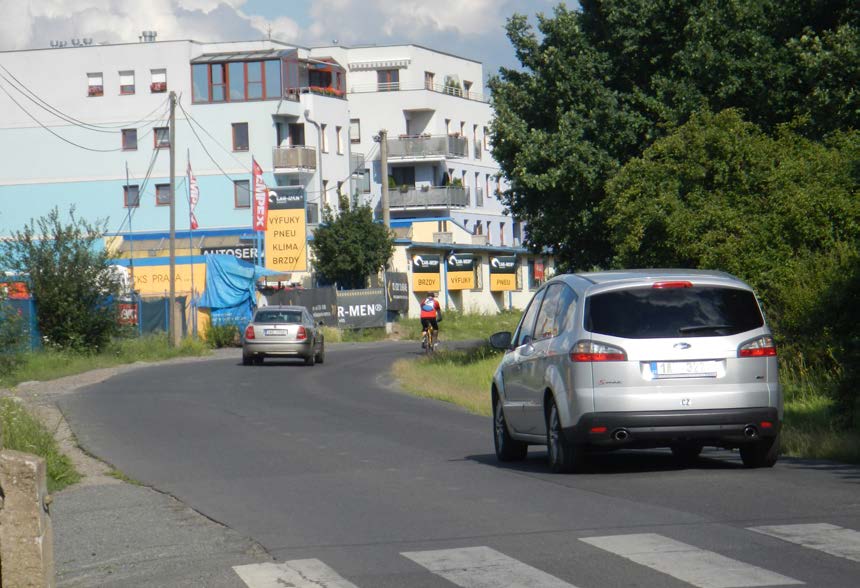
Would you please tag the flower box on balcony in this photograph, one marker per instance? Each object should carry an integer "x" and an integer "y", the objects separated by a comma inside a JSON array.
[
  {"x": 95, "y": 91},
  {"x": 157, "y": 87}
]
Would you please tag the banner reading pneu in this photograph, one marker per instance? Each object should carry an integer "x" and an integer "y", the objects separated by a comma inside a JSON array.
[{"x": 286, "y": 234}]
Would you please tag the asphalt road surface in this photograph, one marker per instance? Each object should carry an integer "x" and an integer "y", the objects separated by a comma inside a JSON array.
[{"x": 348, "y": 482}]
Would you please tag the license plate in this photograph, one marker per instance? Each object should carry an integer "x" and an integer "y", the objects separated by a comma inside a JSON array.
[
  {"x": 276, "y": 332},
  {"x": 684, "y": 369}
]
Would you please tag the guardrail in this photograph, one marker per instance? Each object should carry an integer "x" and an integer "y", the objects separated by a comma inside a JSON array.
[{"x": 429, "y": 197}]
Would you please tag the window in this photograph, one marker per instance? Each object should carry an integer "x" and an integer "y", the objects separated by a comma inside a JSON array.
[
  {"x": 200, "y": 83},
  {"x": 387, "y": 80},
  {"x": 545, "y": 326},
  {"x": 536, "y": 273},
  {"x": 162, "y": 194},
  {"x": 338, "y": 133},
  {"x": 525, "y": 330},
  {"x": 126, "y": 82},
  {"x": 161, "y": 136},
  {"x": 159, "y": 80},
  {"x": 313, "y": 213},
  {"x": 240, "y": 136},
  {"x": 428, "y": 80},
  {"x": 467, "y": 88},
  {"x": 479, "y": 192},
  {"x": 354, "y": 130},
  {"x": 403, "y": 176},
  {"x": 272, "y": 71},
  {"x": 324, "y": 195},
  {"x": 364, "y": 181},
  {"x": 129, "y": 139},
  {"x": 131, "y": 196},
  {"x": 95, "y": 86},
  {"x": 254, "y": 71},
  {"x": 501, "y": 233},
  {"x": 242, "y": 193},
  {"x": 486, "y": 139},
  {"x": 236, "y": 77},
  {"x": 447, "y": 126},
  {"x": 324, "y": 146}
]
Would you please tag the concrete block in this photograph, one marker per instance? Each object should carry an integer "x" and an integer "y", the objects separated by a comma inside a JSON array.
[{"x": 26, "y": 536}]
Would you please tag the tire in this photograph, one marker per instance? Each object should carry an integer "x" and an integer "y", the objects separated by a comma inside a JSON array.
[
  {"x": 686, "y": 452},
  {"x": 258, "y": 360},
  {"x": 320, "y": 358},
  {"x": 310, "y": 359},
  {"x": 507, "y": 448},
  {"x": 563, "y": 457},
  {"x": 761, "y": 454},
  {"x": 247, "y": 359}
]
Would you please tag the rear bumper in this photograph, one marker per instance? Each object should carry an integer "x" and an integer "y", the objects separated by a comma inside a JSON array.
[
  {"x": 722, "y": 427},
  {"x": 285, "y": 348}
]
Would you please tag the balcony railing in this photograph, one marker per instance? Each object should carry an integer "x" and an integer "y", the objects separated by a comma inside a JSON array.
[
  {"x": 356, "y": 162},
  {"x": 298, "y": 158},
  {"x": 429, "y": 197},
  {"x": 427, "y": 146},
  {"x": 401, "y": 87}
]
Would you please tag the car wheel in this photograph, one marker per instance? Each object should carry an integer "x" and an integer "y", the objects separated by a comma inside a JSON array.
[
  {"x": 686, "y": 452},
  {"x": 310, "y": 359},
  {"x": 507, "y": 448},
  {"x": 258, "y": 360},
  {"x": 562, "y": 455},
  {"x": 246, "y": 359},
  {"x": 321, "y": 355},
  {"x": 761, "y": 454}
]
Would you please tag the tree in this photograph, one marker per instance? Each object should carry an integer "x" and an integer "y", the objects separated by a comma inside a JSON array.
[
  {"x": 603, "y": 83},
  {"x": 349, "y": 248},
  {"x": 70, "y": 279},
  {"x": 12, "y": 333}
]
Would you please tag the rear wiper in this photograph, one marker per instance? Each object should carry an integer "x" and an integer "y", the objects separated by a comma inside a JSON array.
[{"x": 694, "y": 328}]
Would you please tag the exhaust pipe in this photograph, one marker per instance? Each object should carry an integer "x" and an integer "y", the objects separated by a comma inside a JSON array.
[
  {"x": 750, "y": 432},
  {"x": 620, "y": 434}
]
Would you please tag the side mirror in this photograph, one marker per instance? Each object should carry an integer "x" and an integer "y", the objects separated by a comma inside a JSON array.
[{"x": 501, "y": 340}]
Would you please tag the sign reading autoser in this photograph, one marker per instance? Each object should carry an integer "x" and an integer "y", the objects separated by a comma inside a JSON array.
[
  {"x": 286, "y": 233},
  {"x": 425, "y": 273},
  {"x": 503, "y": 273}
]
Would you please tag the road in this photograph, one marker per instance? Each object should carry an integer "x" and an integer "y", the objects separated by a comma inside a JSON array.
[{"x": 348, "y": 482}]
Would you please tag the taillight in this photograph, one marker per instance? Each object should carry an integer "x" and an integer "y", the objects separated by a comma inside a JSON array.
[
  {"x": 302, "y": 334},
  {"x": 760, "y": 347},
  {"x": 249, "y": 332},
  {"x": 666, "y": 285},
  {"x": 594, "y": 351}
]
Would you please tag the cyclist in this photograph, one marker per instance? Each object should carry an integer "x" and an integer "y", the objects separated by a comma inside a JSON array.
[{"x": 431, "y": 312}]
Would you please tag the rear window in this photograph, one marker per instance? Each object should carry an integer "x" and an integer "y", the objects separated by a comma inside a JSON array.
[
  {"x": 654, "y": 313},
  {"x": 278, "y": 316}
]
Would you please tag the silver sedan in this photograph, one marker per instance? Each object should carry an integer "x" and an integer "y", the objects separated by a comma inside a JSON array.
[{"x": 283, "y": 331}]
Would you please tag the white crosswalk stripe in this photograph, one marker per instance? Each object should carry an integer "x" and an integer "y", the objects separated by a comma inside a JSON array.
[
  {"x": 482, "y": 567},
  {"x": 298, "y": 573},
  {"x": 695, "y": 566},
  {"x": 830, "y": 539}
]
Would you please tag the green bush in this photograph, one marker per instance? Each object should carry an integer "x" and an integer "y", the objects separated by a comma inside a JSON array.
[
  {"x": 218, "y": 336},
  {"x": 12, "y": 336}
]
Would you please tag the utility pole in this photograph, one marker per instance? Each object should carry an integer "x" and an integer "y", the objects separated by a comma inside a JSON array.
[
  {"x": 172, "y": 334},
  {"x": 383, "y": 163}
]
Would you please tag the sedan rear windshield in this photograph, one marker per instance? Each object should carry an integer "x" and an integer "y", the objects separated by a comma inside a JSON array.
[
  {"x": 278, "y": 316},
  {"x": 655, "y": 313}
]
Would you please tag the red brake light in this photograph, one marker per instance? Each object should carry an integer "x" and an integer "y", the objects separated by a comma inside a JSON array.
[
  {"x": 760, "y": 347},
  {"x": 766, "y": 425},
  {"x": 249, "y": 332},
  {"x": 666, "y": 285},
  {"x": 598, "y": 430},
  {"x": 585, "y": 351},
  {"x": 302, "y": 334}
]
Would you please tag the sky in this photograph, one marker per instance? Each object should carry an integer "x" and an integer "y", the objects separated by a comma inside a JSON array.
[{"x": 468, "y": 28}]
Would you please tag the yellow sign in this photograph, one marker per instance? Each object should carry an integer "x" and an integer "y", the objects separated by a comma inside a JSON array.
[
  {"x": 461, "y": 280},
  {"x": 155, "y": 279},
  {"x": 503, "y": 282},
  {"x": 425, "y": 282},
  {"x": 286, "y": 240}
]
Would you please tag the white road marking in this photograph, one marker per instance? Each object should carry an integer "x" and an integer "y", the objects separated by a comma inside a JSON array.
[
  {"x": 298, "y": 573},
  {"x": 698, "y": 567},
  {"x": 482, "y": 567},
  {"x": 830, "y": 539}
]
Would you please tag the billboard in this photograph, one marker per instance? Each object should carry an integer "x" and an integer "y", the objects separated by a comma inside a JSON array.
[
  {"x": 503, "y": 273},
  {"x": 461, "y": 271},
  {"x": 361, "y": 309},
  {"x": 397, "y": 291},
  {"x": 286, "y": 232},
  {"x": 425, "y": 273}
]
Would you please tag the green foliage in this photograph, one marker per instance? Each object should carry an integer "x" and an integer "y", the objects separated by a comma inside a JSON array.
[
  {"x": 70, "y": 279},
  {"x": 349, "y": 248},
  {"x": 12, "y": 335},
  {"x": 226, "y": 335},
  {"x": 22, "y": 432},
  {"x": 599, "y": 85},
  {"x": 459, "y": 326}
]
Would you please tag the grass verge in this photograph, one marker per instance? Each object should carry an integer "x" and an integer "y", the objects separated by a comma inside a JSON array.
[
  {"x": 22, "y": 432},
  {"x": 457, "y": 326}
]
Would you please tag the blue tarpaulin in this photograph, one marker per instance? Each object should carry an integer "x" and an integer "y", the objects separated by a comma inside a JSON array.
[{"x": 230, "y": 288}]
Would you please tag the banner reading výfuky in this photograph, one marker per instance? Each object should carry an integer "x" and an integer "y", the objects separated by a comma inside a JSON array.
[{"x": 461, "y": 271}]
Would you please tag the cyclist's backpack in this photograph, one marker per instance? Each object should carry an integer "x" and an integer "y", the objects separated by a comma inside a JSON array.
[{"x": 428, "y": 306}]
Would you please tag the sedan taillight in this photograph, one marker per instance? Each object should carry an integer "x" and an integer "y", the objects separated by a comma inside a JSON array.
[
  {"x": 595, "y": 351},
  {"x": 759, "y": 347},
  {"x": 249, "y": 332},
  {"x": 302, "y": 334}
]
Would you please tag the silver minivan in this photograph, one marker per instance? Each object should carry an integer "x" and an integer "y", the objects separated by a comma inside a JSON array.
[{"x": 638, "y": 359}]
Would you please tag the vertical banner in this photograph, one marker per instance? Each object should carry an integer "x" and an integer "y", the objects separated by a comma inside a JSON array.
[
  {"x": 193, "y": 197},
  {"x": 425, "y": 273},
  {"x": 461, "y": 271},
  {"x": 286, "y": 235},
  {"x": 261, "y": 199},
  {"x": 397, "y": 291},
  {"x": 503, "y": 273}
]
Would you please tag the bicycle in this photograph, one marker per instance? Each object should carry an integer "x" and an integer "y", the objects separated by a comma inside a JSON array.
[{"x": 429, "y": 340}]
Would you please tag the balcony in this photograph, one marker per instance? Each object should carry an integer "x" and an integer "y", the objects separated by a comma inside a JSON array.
[
  {"x": 429, "y": 197},
  {"x": 405, "y": 87},
  {"x": 356, "y": 162},
  {"x": 294, "y": 160},
  {"x": 427, "y": 147}
]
